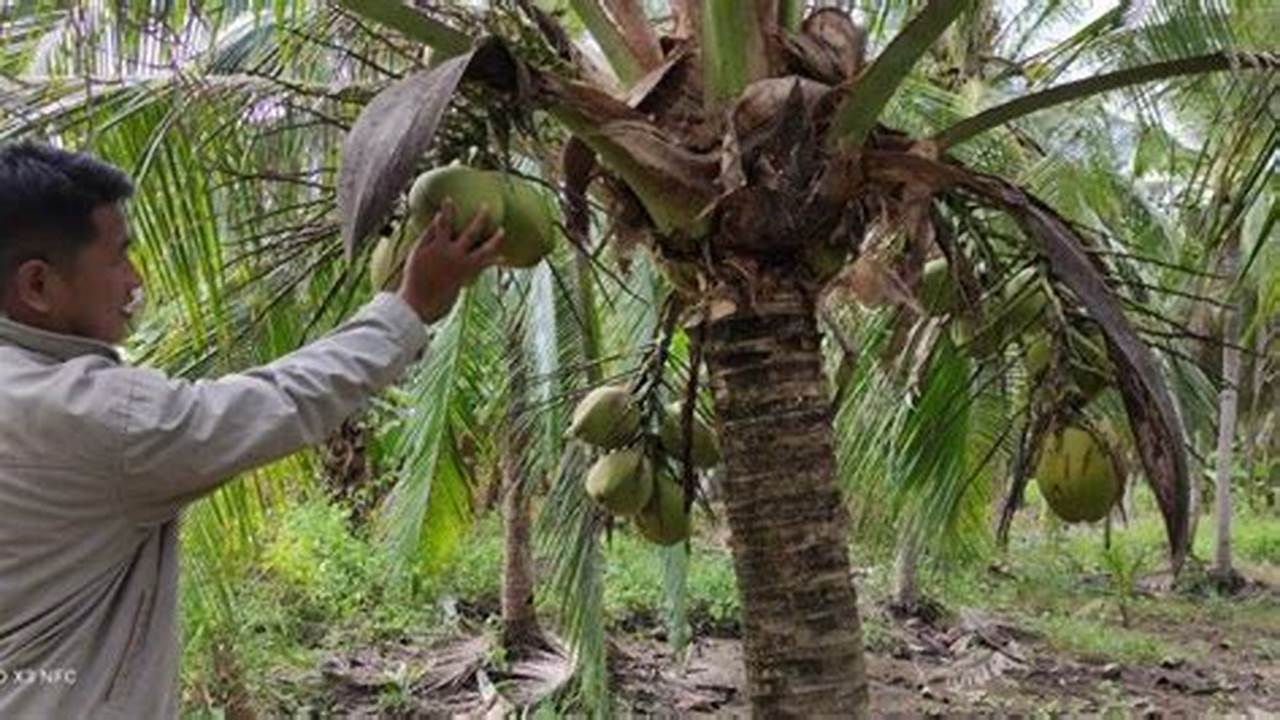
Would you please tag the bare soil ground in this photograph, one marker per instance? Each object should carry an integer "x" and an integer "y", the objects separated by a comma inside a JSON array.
[
  {"x": 964, "y": 662},
  {"x": 976, "y": 665}
]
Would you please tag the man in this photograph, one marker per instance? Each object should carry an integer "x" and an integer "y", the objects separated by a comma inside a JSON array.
[{"x": 97, "y": 459}]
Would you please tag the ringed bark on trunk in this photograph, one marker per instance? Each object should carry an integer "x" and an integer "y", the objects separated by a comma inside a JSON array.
[
  {"x": 519, "y": 616},
  {"x": 803, "y": 644}
]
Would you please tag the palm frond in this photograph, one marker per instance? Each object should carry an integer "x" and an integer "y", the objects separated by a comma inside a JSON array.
[{"x": 429, "y": 509}]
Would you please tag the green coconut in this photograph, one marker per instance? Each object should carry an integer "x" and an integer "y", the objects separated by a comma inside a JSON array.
[
  {"x": 706, "y": 447},
  {"x": 663, "y": 520},
  {"x": 471, "y": 190},
  {"x": 939, "y": 291},
  {"x": 1037, "y": 355},
  {"x": 526, "y": 213},
  {"x": 1028, "y": 301},
  {"x": 1088, "y": 367},
  {"x": 530, "y": 222},
  {"x": 1076, "y": 476},
  {"x": 1018, "y": 314},
  {"x": 622, "y": 482},
  {"x": 607, "y": 417}
]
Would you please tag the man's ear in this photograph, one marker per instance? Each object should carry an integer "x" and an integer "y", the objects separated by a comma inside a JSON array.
[{"x": 34, "y": 283}]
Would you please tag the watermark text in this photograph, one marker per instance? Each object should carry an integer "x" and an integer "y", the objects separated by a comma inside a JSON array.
[{"x": 10, "y": 677}]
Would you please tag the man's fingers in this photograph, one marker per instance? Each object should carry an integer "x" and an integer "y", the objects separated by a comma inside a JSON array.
[
  {"x": 474, "y": 228},
  {"x": 432, "y": 231},
  {"x": 486, "y": 254},
  {"x": 447, "y": 210}
]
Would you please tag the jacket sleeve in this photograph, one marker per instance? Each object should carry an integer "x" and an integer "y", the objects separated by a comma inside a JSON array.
[{"x": 182, "y": 439}]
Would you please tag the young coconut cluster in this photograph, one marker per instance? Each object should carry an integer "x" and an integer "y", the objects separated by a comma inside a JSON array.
[
  {"x": 1075, "y": 471},
  {"x": 1024, "y": 303},
  {"x": 527, "y": 214},
  {"x": 630, "y": 482},
  {"x": 1081, "y": 353}
]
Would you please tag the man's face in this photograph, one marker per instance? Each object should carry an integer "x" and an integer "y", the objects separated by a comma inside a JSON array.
[{"x": 91, "y": 296}]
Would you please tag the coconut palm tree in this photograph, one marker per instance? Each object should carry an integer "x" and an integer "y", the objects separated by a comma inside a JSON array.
[
  {"x": 747, "y": 144},
  {"x": 747, "y": 147}
]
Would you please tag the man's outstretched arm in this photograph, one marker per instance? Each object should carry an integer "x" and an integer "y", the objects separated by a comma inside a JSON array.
[{"x": 182, "y": 439}]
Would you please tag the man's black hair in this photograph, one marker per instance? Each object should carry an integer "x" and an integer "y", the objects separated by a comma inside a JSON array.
[{"x": 47, "y": 197}]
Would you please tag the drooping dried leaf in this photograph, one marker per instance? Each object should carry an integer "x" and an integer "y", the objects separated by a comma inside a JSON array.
[
  {"x": 764, "y": 101},
  {"x": 1156, "y": 429},
  {"x": 654, "y": 81},
  {"x": 671, "y": 96},
  {"x": 578, "y": 163},
  {"x": 384, "y": 146},
  {"x": 581, "y": 107},
  {"x": 917, "y": 202},
  {"x": 1155, "y": 426},
  {"x": 1031, "y": 439},
  {"x": 674, "y": 185}
]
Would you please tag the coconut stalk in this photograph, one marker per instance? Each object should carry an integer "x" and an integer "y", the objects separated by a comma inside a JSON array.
[
  {"x": 790, "y": 14},
  {"x": 734, "y": 51},
  {"x": 622, "y": 31},
  {"x": 443, "y": 40},
  {"x": 863, "y": 106}
]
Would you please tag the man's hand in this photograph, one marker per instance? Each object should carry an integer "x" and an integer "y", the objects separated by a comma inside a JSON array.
[{"x": 440, "y": 265}]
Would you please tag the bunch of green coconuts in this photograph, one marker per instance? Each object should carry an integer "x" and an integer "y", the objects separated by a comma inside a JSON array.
[
  {"x": 627, "y": 481},
  {"x": 524, "y": 210},
  {"x": 1074, "y": 470}
]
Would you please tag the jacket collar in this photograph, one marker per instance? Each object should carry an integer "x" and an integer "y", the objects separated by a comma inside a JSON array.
[{"x": 56, "y": 345}]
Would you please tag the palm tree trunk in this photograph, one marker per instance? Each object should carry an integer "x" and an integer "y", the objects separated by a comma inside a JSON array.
[
  {"x": 1226, "y": 425},
  {"x": 1252, "y": 422},
  {"x": 1196, "y": 468},
  {"x": 803, "y": 644},
  {"x": 906, "y": 591},
  {"x": 519, "y": 618}
]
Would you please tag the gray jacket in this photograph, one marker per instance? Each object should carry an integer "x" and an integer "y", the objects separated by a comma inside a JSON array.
[{"x": 97, "y": 459}]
